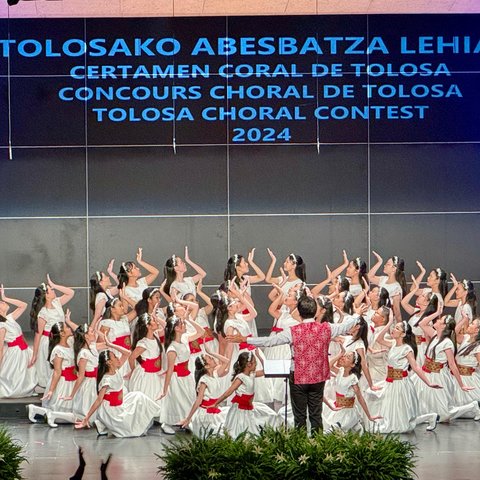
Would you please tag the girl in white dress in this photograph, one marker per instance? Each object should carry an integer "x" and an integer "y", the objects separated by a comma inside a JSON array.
[
  {"x": 122, "y": 415},
  {"x": 204, "y": 417},
  {"x": 16, "y": 378},
  {"x": 293, "y": 272},
  {"x": 357, "y": 274},
  {"x": 46, "y": 310},
  {"x": 375, "y": 298},
  {"x": 439, "y": 361},
  {"x": 394, "y": 281},
  {"x": 426, "y": 305},
  {"x": 102, "y": 292},
  {"x": 174, "y": 271},
  {"x": 245, "y": 415},
  {"x": 348, "y": 368},
  {"x": 465, "y": 301},
  {"x": 397, "y": 402},
  {"x": 61, "y": 382},
  {"x": 179, "y": 387},
  {"x": 438, "y": 284},
  {"x": 237, "y": 271},
  {"x": 332, "y": 279},
  {"x": 130, "y": 277},
  {"x": 468, "y": 360}
]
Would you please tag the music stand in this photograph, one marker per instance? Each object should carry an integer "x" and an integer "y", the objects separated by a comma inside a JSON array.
[{"x": 278, "y": 369}]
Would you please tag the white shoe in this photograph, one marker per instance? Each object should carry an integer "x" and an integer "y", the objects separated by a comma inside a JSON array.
[
  {"x": 432, "y": 422},
  {"x": 50, "y": 420},
  {"x": 167, "y": 429},
  {"x": 101, "y": 429},
  {"x": 477, "y": 415},
  {"x": 33, "y": 410}
]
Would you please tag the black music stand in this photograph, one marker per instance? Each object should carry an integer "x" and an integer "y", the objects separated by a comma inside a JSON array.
[{"x": 278, "y": 369}]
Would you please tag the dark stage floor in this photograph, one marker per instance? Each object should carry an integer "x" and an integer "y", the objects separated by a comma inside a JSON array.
[{"x": 449, "y": 453}]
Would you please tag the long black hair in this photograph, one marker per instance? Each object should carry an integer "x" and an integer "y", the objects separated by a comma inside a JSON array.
[
  {"x": 471, "y": 298},
  {"x": 95, "y": 288},
  {"x": 125, "y": 269},
  {"x": 300, "y": 268},
  {"x": 432, "y": 307},
  {"x": 348, "y": 301},
  {"x": 54, "y": 340},
  {"x": 231, "y": 269},
  {"x": 142, "y": 305},
  {"x": 140, "y": 331},
  {"x": 325, "y": 303},
  {"x": 357, "y": 365},
  {"x": 79, "y": 342},
  {"x": 399, "y": 264},
  {"x": 241, "y": 363},
  {"x": 448, "y": 332},
  {"x": 200, "y": 369},
  {"x": 169, "y": 273},
  {"x": 409, "y": 339},
  {"x": 361, "y": 266},
  {"x": 219, "y": 313},
  {"x": 171, "y": 323},
  {"x": 467, "y": 349},
  {"x": 38, "y": 303},
  {"x": 103, "y": 359},
  {"x": 343, "y": 284},
  {"x": 443, "y": 284},
  {"x": 384, "y": 298},
  {"x": 362, "y": 333}
]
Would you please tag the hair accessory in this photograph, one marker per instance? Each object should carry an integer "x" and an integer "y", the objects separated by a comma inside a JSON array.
[
  {"x": 355, "y": 357},
  {"x": 439, "y": 272},
  {"x": 202, "y": 360},
  {"x": 174, "y": 260},
  {"x": 98, "y": 275},
  {"x": 153, "y": 292},
  {"x": 250, "y": 355},
  {"x": 43, "y": 286},
  {"x": 235, "y": 259},
  {"x": 293, "y": 257},
  {"x": 114, "y": 300},
  {"x": 175, "y": 320},
  {"x": 395, "y": 261},
  {"x": 465, "y": 284},
  {"x": 405, "y": 326},
  {"x": 358, "y": 261},
  {"x": 127, "y": 266}
]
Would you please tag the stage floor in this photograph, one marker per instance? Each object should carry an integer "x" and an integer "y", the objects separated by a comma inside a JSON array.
[{"x": 451, "y": 452}]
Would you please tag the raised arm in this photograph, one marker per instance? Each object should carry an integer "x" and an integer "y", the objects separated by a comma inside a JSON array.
[
  {"x": 21, "y": 306},
  {"x": 113, "y": 276},
  {"x": 152, "y": 271},
  {"x": 372, "y": 274},
  {"x": 259, "y": 275},
  {"x": 274, "y": 308},
  {"x": 273, "y": 260},
  {"x": 208, "y": 307},
  {"x": 67, "y": 293},
  {"x": 424, "y": 324},
  {"x": 419, "y": 278},
  {"x": 201, "y": 273},
  {"x": 449, "y": 301},
  {"x": 317, "y": 289},
  {"x": 405, "y": 302}
]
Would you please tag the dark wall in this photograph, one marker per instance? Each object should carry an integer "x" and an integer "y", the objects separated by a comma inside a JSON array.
[{"x": 77, "y": 192}]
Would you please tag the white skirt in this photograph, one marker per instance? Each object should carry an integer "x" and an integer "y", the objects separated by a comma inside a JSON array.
[
  {"x": 176, "y": 405},
  {"x": 130, "y": 419},
  {"x": 239, "y": 420},
  {"x": 151, "y": 384},
  {"x": 203, "y": 422},
  {"x": 64, "y": 389},
  {"x": 347, "y": 418},
  {"x": 84, "y": 398},
  {"x": 16, "y": 379},
  {"x": 42, "y": 366},
  {"x": 463, "y": 398}
]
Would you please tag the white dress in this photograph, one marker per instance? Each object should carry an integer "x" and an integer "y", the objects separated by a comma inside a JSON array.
[
  {"x": 280, "y": 352},
  {"x": 185, "y": 287},
  {"x": 135, "y": 293},
  {"x": 355, "y": 289},
  {"x": 209, "y": 340},
  {"x": 347, "y": 418},
  {"x": 16, "y": 379},
  {"x": 239, "y": 419},
  {"x": 207, "y": 418},
  {"x": 51, "y": 316},
  {"x": 393, "y": 289},
  {"x": 418, "y": 332},
  {"x": 102, "y": 296},
  {"x": 133, "y": 416},
  {"x": 119, "y": 334},
  {"x": 461, "y": 310},
  {"x": 65, "y": 383},
  {"x": 87, "y": 393},
  {"x": 146, "y": 376},
  {"x": 470, "y": 360},
  {"x": 181, "y": 392},
  {"x": 398, "y": 398},
  {"x": 377, "y": 362}
]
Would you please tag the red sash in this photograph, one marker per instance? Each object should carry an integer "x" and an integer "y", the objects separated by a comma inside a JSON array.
[
  {"x": 195, "y": 346},
  {"x": 395, "y": 374},
  {"x": 45, "y": 333},
  {"x": 69, "y": 374},
  {"x": 19, "y": 342},
  {"x": 152, "y": 365},
  {"x": 208, "y": 338},
  {"x": 124, "y": 342},
  {"x": 244, "y": 402},
  {"x": 277, "y": 329},
  {"x": 181, "y": 369},
  {"x": 92, "y": 374},
  {"x": 246, "y": 311},
  {"x": 114, "y": 398},
  {"x": 207, "y": 404},
  {"x": 246, "y": 346}
]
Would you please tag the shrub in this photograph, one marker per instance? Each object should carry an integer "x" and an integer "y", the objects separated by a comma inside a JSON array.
[
  {"x": 10, "y": 456},
  {"x": 289, "y": 454}
]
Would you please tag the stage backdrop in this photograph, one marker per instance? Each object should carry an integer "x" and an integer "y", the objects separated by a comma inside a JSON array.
[{"x": 302, "y": 134}]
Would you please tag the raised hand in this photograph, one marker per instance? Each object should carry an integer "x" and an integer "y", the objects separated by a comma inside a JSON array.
[
  {"x": 187, "y": 257},
  {"x": 454, "y": 280},
  {"x": 420, "y": 266},
  {"x": 251, "y": 254},
  {"x": 110, "y": 265},
  {"x": 50, "y": 282},
  {"x": 139, "y": 255},
  {"x": 345, "y": 257},
  {"x": 272, "y": 256},
  {"x": 377, "y": 256},
  {"x": 2, "y": 293}
]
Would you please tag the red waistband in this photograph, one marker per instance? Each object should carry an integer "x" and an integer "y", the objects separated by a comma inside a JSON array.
[
  {"x": 277, "y": 329},
  {"x": 19, "y": 342},
  {"x": 92, "y": 373},
  {"x": 152, "y": 365},
  {"x": 69, "y": 374},
  {"x": 45, "y": 333},
  {"x": 114, "y": 398},
  {"x": 395, "y": 372},
  {"x": 207, "y": 404},
  {"x": 195, "y": 346},
  {"x": 244, "y": 402},
  {"x": 124, "y": 342},
  {"x": 245, "y": 311},
  {"x": 181, "y": 369},
  {"x": 246, "y": 346}
]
